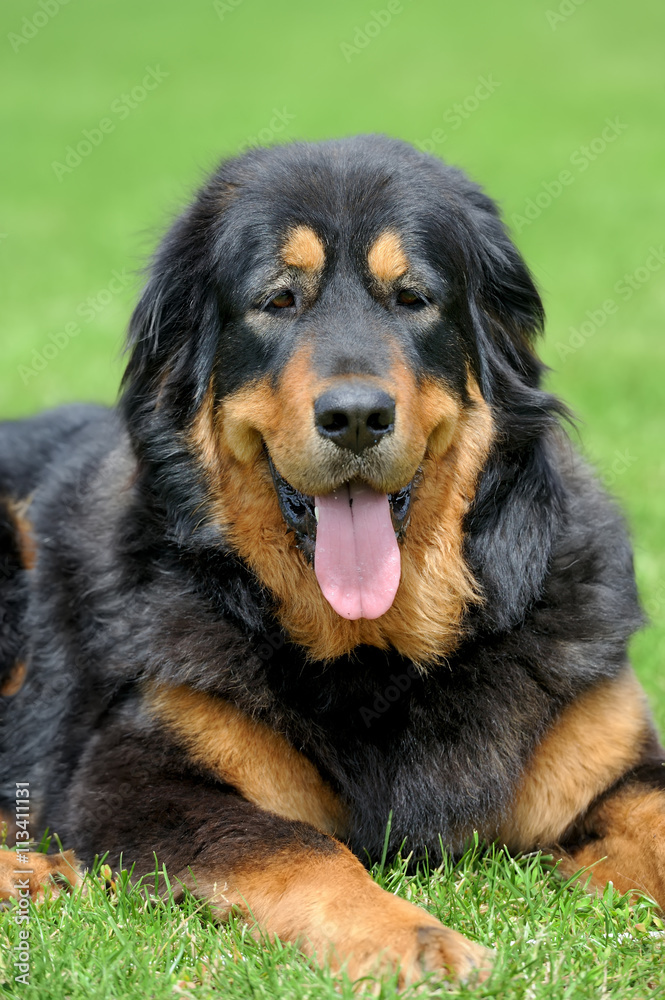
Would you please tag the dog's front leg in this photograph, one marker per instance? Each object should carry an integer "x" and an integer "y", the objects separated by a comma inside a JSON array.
[
  {"x": 138, "y": 798},
  {"x": 312, "y": 891}
]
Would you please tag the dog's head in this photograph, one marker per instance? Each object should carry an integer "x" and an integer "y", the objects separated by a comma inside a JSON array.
[{"x": 333, "y": 351}]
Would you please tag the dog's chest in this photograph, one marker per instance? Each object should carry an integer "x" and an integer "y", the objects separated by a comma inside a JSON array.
[{"x": 432, "y": 759}]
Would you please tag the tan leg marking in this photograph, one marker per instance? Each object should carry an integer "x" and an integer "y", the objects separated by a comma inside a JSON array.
[
  {"x": 590, "y": 746},
  {"x": 15, "y": 680},
  {"x": 436, "y": 586},
  {"x": 249, "y": 755},
  {"x": 630, "y": 846},
  {"x": 303, "y": 249},
  {"x": 328, "y": 905},
  {"x": 386, "y": 258},
  {"x": 38, "y": 875}
]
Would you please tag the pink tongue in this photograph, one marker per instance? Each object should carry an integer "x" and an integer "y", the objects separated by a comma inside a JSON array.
[{"x": 356, "y": 559}]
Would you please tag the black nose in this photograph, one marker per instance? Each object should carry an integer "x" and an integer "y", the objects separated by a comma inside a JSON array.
[{"x": 355, "y": 416}]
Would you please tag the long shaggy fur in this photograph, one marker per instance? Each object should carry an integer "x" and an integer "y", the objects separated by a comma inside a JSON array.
[{"x": 163, "y": 561}]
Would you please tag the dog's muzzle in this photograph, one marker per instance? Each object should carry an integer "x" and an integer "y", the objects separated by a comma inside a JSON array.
[{"x": 351, "y": 536}]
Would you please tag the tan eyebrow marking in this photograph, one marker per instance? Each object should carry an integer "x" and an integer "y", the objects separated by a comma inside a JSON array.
[
  {"x": 304, "y": 249},
  {"x": 386, "y": 258}
]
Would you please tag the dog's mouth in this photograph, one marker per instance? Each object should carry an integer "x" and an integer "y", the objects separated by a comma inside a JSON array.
[{"x": 351, "y": 536}]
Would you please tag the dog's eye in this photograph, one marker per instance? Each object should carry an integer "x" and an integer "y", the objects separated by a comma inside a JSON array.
[
  {"x": 407, "y": 297},
  {"x": 283, "y": 300}
]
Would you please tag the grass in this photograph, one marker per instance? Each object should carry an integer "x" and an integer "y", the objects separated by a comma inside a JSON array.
[
  {"x": 225, "y": 69},
  {"x": 552, "y": 940}
]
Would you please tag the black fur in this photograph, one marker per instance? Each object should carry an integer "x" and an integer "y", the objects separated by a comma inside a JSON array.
[{"x": 135, "y": 580}]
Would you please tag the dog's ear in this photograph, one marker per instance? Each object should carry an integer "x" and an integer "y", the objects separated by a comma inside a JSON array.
[
  {"x": 511, "y": 527},
  {"x": 174, "y": 329},
  {"x": 173, "y": 345},
  {"x": 504, "y": 304},
  {"x": 520, "y": 499}
]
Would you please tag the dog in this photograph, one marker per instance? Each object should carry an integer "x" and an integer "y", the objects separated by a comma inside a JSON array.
[{"x": 331, "y": 571}]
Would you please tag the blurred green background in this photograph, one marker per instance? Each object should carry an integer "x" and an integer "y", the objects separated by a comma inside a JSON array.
[{"x": 519, "y": 94}]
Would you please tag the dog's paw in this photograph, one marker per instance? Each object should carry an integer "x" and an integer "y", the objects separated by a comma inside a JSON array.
[
  {"x": 408, "y": 940},
  {"x": 441, "y": 949},
  {"x": 33, "y": 875}
]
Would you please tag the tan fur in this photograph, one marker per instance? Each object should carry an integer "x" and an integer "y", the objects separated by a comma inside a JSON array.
[
  {"x": 329, "y": 905},
  {"x": 44, "y": 872},
  {"x": 24, "y": 534},
  {"x": 449, "y": 442},
  {"x": 596, "y": 740},
  {"x": 386, "y": 258},
  {"x": 247, "y": 754},
  {"x": 14, "y": 682},
  {"x": 303, "y": 249},
  {"x": 628, "y": 848}
]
